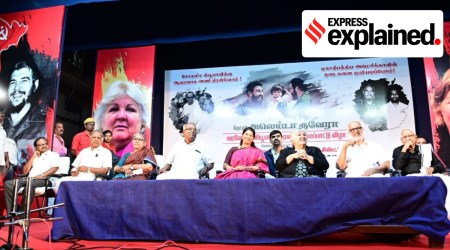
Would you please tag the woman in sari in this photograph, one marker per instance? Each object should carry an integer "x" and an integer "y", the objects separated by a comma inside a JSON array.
[
  {"x": 138, "y": 164},
  {"x": 244, "y": 161}
]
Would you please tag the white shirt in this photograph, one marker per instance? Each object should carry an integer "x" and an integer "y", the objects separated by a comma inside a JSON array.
[
  {"x": 2, "y": 145},
  {"x": 99, "y": 157},
  {"x": 11, "y": 148},
  {"x": 187, "y": 160},
  {"x": 44, "y": 162},
  {"x": 362, "y": 157}
]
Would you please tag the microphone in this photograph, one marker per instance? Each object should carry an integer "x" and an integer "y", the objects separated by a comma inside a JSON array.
[{"x": 96, "y": 155}]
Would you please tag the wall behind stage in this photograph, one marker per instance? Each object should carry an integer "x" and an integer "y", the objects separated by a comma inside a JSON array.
[
  {"x": 334, "y": 87},
  {"x": 33, "y": 37},
  {"x": 135, "y": 68}
]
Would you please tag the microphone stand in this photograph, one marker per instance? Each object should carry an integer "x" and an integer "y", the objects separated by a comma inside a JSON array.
[{"x": 25, "y": 222}]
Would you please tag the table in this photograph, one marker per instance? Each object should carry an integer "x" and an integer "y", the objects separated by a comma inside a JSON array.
[{"x": 247, "y": 211}]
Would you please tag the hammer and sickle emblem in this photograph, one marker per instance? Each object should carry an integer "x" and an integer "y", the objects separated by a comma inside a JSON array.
[{"x": 3, "y": 33}]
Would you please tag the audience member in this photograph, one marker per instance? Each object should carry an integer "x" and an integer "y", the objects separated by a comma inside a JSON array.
[
  {"x": 107, "y": 138},
  {"x": 188, "y": 158},
  {"x": 362, "y": 157},
  {"x": 11, "y": 152},
  {"x": 246, "y": 160},
  {"x": 58, "y": 142},
  {"x": 92, "y": 160},
  {"x": 301, "y": 160},
  {"x": 82, "y": 140},
  {"x": 40, "y": 166},
  {"x": 136, "y": 165},
  {"x": 276, "y": 139},
  {"x": 124, "y": 111},
  {"x": 421, "y": 140}
]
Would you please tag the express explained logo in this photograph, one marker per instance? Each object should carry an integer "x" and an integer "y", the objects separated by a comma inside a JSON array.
[
  {"x": 369, "y": 34},
  {"x": 315, "y": 31}
]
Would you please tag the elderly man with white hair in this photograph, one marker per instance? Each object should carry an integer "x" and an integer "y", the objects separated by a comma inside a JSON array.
[
  {"x": 413, "y": 159},
  {"x": 361, "y": 157},
  {"x": 301, "y": 160}
]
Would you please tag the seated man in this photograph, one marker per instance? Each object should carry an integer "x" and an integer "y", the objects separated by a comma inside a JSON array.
[
  {"x": 42, "y": 164},
  {"x": 188, "y": 158},
  {"x": 419, "y": 160},
  {"x": 409, "y": 158},
  {"x": 276, "y": 139},
  {"x": 360, "y": 157},
  {"x": 90, "y": 161}
]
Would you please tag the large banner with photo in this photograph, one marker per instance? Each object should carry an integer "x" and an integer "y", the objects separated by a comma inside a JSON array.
[
  {"x": 123, "y": 91},
  {"x": 30, "y": 49},
  {"x": 327, "y": 95},
  {"x": 437, "y": 71}
]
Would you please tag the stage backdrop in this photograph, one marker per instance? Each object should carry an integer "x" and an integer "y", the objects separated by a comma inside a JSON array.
[
  {"x": 435, "y": 68},
  {"x": 30, "y": 49},
  {"x": 134, "y": 67},
  {"x": 335, "y": 89}
]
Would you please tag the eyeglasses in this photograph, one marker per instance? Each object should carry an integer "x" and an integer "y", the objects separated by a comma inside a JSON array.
[
  {"x": 96, "y": 137},
  {"x": 407, "y": 136},
  {"x": 194, "y": 129},
  {"x": 275, "y": 136},
  {"x": 354, "y": 129},
  {"x": 138, "y": 139}
]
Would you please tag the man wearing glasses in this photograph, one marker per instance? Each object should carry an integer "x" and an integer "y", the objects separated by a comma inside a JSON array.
[
  {"x": 42, "y": 164},
  {"x": 189, "y": 158},
  {"x": 276, "y": 139},
  {"x": 361, "y": 157},
  {"x": 413, "y": 159},
  {"x": 91, "y": 161},
  {"x": 410, "y": 158}
]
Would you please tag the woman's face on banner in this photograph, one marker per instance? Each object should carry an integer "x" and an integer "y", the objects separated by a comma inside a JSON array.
[
  {"x": 123, "y": 118},
  {"x": 445, "y": 109}
]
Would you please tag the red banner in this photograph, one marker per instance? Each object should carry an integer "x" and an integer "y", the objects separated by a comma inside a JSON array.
[
  {"x": 30, "y": 47},
  {"x": 123, "y": 94}
]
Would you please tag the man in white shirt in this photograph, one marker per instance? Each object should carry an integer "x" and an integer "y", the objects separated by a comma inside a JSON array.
[
  {"x": 90, "y": 161},
  {"x": 360, "y": 157},
  {"x": 188, "y": 158},
  {"x": 42, "y": 164},
  {"x": 4, "y": 159}
]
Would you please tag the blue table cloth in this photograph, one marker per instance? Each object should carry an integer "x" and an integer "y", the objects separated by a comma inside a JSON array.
[{"x": 247, "y": 211}]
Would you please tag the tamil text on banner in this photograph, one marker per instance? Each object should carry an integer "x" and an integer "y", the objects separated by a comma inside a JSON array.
[{"x": 334, "y": 93}]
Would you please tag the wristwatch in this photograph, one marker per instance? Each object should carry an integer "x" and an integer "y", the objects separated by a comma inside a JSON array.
[{"x": 131, "y": 167}]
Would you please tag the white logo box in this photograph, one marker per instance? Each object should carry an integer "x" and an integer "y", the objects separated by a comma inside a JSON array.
[{"x": 372, "y": 33}]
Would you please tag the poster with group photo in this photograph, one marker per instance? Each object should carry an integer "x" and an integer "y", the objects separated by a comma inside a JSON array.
[
  {"x": 30, "y": 51},
  {"x": 437, "y": 71},
  {"x": 123, "y": 94},
  {"x": 320, "y": 98}
]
